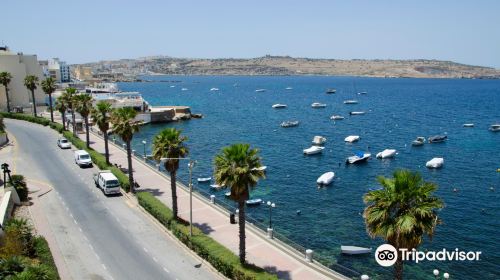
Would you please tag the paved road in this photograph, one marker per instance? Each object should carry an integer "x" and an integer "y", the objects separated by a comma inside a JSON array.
[{"x": 99, "y": 237}]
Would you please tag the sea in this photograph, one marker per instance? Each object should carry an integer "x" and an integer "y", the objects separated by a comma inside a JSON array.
[{"x": 397, "y": 111}]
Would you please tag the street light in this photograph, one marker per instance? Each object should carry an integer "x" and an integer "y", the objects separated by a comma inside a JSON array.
[
  {"x": 365, "y": 277},
  {"x": 271, "y": 206},
  {"x": 436, "y": 273},
  {"x": 144, "y": 143},
  {"x": 5, "y": 168},
  {"x": 446, "y": 275},
  {"x": 190, "y": 165}
]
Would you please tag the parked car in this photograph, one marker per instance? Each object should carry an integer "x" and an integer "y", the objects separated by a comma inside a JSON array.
[
  {"x": 107, "y": 182},
  {"x": 63, "y": 143},
  {"x": 82, "y": 158}
]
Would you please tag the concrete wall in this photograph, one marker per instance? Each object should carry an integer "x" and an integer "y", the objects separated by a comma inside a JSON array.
[
  {"x": 3, "y": 139},
  {"x": 19, "y": 66}
]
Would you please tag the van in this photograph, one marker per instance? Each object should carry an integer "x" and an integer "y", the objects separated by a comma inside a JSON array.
[
  {"x": 82, "y": 158},
  {"x": 107, "y": 182}
]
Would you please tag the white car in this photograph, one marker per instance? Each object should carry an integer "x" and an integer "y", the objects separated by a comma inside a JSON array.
[
  {"x": 63, "y": 143},
  {"x": 82, "y": 158}
]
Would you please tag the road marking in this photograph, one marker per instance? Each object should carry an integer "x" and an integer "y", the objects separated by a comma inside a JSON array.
[
  {"x": 80, "y": 229},
  {"x": 74, "y": 221},
  {"x": 154, "y": 259},
  {"x": 166, "y": 270},
  {"x": 104, "y": 267},
  {"x": 97, "y": 256},
  {"x": 118, "y": 220},
  {"x": 91, "y": 248},
  {"x": 145, "y": 250},
  {"x": 71, "y": 215}
]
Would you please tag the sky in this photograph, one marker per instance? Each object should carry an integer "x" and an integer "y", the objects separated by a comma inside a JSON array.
[{"x": 88, "y": 31}]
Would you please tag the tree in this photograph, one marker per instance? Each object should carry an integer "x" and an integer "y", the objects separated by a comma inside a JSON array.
[
  {"x": 237, "y": 167},
  {"x": 49, "y": 86},
  {"x": 62, "y": 106},
  {"x": 5, "y": 78},
  {"x": 125, "y": 127},
  {"x": 100, "y": 116},
  {"x": 169, "y": 143},
  {"x": 31, "y": 83},
  {"x": 84, "y": 106},
  {"x": 402, "y": 212},
  {"x": 71, "y": 104}
]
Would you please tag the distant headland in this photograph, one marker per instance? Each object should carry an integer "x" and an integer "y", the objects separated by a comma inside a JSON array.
[{"x": 286, "y": 65}]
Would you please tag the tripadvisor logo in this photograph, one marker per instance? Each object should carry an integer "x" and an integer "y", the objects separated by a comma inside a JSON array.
[{"x": 387, "y": 255}]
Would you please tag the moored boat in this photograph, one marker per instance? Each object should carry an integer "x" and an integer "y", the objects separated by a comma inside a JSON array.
[
  {"x": 318, "y": 105},
  {"x": 204, "y": 179},
  {"x": 351, "y": 138},
  {"x": 468, "y": 125},
  {"x": 289, "y": 88},
  {"x": 437, "y": 138},
  {"x": 352, "y": 101},
  {"x": 313, "y": 150},
  {"x": 260, "y": 90},
  {"x": 358, "y": 158},
  {"x": 354, "y": 250},
  {"x": 261, "y": 168},
  {"x": 387, "y": 153},
  {"x": 318, "y": 140},
  {"x": 279, "y": 106},
  {"x": 435, "y": 163},
  {"x": 357, "y": 113},
  {"x": 216, "y": 187},
  {"x": 214, "y": 89},
  {"x": 255, "y": 201},
  {"x": 325, "y": 179},
  {"x": 336, "y": 118},
  {"x": 289, "y": 123},
  {"x": 419, "y": 141},
  {"x": 494, "y": 127},
  {"x": 331, "y": 90}
]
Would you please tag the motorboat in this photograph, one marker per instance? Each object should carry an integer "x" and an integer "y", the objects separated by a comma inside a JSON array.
[
  {"x": 289, "y": 88},
  {"x": 289, "y": 123},
  {"x": 336, "y": 118},
  {"x": 358, "y": 158},
  {"x": 255, "y": 201},
  {"x": 172, "y": 86},
  {"x": 351, "y": 101},
  {"x": 262, "y": 168},
  {"x": 331, "y": 90},
  {"x": 419, "y": 141},
  {"x": 468, "y": 125},
  {"x": 354, "y": 250},
  {"x": 313, "y": 150},
  {"x": 214, "y": 89},
  {"x": 260, "y": 90},
  {"x": 184, "y": 89},
  {"x": 357, "y": 113},
  {"x": 362, "y": 92},
  {"x": 318, "y": 140},
  {"x": 318, "y": 105},
  {"x": 387, "y": 153},
  {"x": 494, "y": 127},
  {"x": 204, "y": 179},
  {"x": 227, "y": 194},
  {"x": 437, "y": 138},
  {"x": 435, "y": 163},
  {"x": 325, "y": 179},
  {"x": 279, "y": 106},
  {"x": 215, "y": 187},
  {"x": 351, "y": 138}
]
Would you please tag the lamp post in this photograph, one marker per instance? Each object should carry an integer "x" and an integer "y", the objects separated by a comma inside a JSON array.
[
  {"x": 271, "y": 206},
  {"x": 144, "y": 144},
  {"x": 190, "y": 165},
  {"x": 446, "y": 275},
  {"x": 365, "y": 277},
  {"x": 5, "y": 168}
]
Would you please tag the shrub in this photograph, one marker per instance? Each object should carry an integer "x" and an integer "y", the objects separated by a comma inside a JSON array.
[
  {"x": 19, "y": 184},
  {"x": 57, "y": 126},
  {"x": 12, "y": 265},
  {"x": 23, "y": 231},
  {"x": 219, "y": 256},
  {"x": 42, "y": 252},
  {"x": 39, "y": 120}
]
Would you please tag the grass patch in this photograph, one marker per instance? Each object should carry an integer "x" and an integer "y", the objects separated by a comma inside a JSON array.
[{"x": 216, "y": 254}]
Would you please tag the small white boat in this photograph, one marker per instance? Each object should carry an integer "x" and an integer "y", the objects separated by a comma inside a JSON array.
[
  {"x": 289, "y": 124},
  {"x": 387, "y": 153},
  {"x": 494, "y": 127},
  {"x": 354, "y": 250},
  {"x": 357, "y": 113},
  {"x": 351, "y": 138},
  {"x": 279, "y": 106},
  {"x": 260, "y": 90},
  {"x": 172, "y": 86},
  {"x": 336, "y": 118},
  {"x": 325, "y": 179},
  {"x": 330, "y": 90},
  {"x": 205, "y": 179},
  {"x": 435, "y": 163},
  {"x": 256, "y": 201},
  {"x": 318, "y": 140},
  {"x": 318, "y": 105},
  {"x": 419, "y": 141},
  {"x": 289, "y": 88},
  {"x": 184, "y": 89},
  {"x": 216, "y": 187},
  {"x": 313, "y": 150},
  {"x": 262, "y": 168},
  {"x": 227, "y": 194},
  {"x": 362, "y": 92},
  {"x": 358, "y": 158},
  {"x": 352, "y": 101},
  {"x": 468, "y": 125},
  {"x": 214, "y": 89}
]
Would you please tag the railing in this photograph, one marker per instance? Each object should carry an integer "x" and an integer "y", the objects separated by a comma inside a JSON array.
[{"x": 323, "y": 260}]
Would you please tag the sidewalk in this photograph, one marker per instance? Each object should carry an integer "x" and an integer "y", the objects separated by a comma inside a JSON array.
[{"x": 214, "y": 222}]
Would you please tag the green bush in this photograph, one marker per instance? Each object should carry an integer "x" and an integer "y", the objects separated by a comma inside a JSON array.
[
  {"x": 24, "y": 117},
  {"x": 23, "y": 231},
  {"x": 219, "y": 256},
  {"x": 19, "y": 184},
  {"x": 42, "y": 252},
  {"x": 12, "y": 265},
  {"x": 57, "y": 126}
]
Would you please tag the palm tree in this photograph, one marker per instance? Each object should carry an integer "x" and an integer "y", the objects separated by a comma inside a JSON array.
[
  {"x": 71, "y": 104},
  {"x": 170, "y": 144},
  {"x": 125, "y": 127},
  {"x": 31, "y": 83},
  {"x": 49, "y": 86},
  {"x": 5, "y": 78},
  {"x": 62, "y": 106},
  {"x": 237, "y": 167},
  {"x": 100, "y": 116},
  {"x": 402, "y": 212},
  {"x": 84, "y": 106}
]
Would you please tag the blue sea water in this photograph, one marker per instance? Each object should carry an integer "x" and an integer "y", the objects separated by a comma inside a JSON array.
[{"x": 398, "y": 110}]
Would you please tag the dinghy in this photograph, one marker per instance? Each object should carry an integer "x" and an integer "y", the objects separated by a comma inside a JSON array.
[
  {"x": 358, "y": 158},
  {"x": 313, "y": 150},
  {"x": 387, "y": 153},
  {"x": 318, "y": 140},
  {"x": 204, "y": 180},
  {"x": 256, "y": 201},
  {"x": 325, "y": 179},
  {"x": 435, "y": 163},
  {"x": 351, "y": 138},
  {"x": 354, "y": 250}
]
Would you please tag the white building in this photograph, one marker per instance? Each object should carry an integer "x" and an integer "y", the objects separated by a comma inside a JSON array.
[
  {"x": 19, "y": 66},
  {"x": 59, "y": 70}
]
